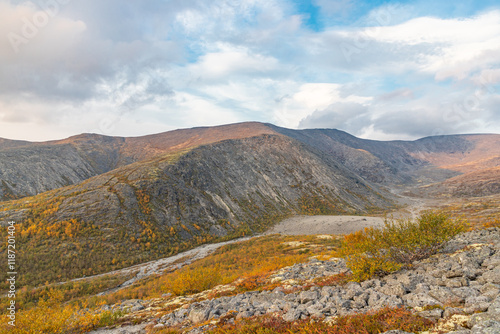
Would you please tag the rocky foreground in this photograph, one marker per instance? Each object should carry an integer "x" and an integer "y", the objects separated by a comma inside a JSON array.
[{"x": 458, "y": 288}]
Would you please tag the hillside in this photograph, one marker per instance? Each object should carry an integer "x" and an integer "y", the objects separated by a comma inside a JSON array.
[
  {"x": 116, "y": 202},
  {"x": 28, "y": 168},
  {"x": 152, "y": 196},
  {"x": 404, "y": 163},
  {"x": 483, "y": 182},
  {"x": 158, "y": 207}
]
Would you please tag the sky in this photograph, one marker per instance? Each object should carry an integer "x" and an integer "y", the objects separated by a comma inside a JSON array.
[{"x": 377, "y": 69}]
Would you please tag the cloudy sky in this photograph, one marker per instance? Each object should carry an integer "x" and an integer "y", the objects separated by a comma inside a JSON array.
[{"x": 376, "y": 69}]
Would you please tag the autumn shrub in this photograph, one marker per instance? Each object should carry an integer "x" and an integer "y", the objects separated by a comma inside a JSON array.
[
  {"x": 52, "y": 316},
  {"x": 193, "y": 280},
  {"x": 491, "y": 223},
  {"x": 367, "y": 323},
  {"x": 399, "y": 243}
]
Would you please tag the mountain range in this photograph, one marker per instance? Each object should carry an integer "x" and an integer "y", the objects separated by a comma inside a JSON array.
[{"x": 94, "y": 203}]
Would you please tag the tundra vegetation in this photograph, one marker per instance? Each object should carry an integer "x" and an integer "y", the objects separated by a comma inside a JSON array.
[{"x": 75, "y": 307}]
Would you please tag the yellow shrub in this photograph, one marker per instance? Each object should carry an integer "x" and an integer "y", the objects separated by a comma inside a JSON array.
[
  {"x": 380, "y": 251},
  {"x": 50, "y": 316},
  {"x": 189, "y": 281}
]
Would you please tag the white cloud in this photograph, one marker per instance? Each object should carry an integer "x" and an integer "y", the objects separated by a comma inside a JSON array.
[
  {"x": 311, "y": 97},
  {"x": 100, "y": 65},
  {"x": 230, "y": 61},
  {"x": 461, "y": 46}
]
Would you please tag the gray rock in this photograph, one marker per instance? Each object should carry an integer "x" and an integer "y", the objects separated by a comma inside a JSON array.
[
  {"x": 136, "y": 308},
  {"x": 198, "y": 313},
  {"x": 495, "y": 306},
  {"x": 292, "y": 315},
  {"x": 244, "y": 314},
  {"x": 476, "y": 300},
  {"x": 489, "y": 286},
  {"x": 434, "y": 314},
  {"x": 397, "y": 289},
  {"x": 456, "y": 282},
  {"x": 492, "y": 276},
  {"x": 420, "y": 300},
  {"x": 474, "y": 308},
  {"x": 478, "y": 318},
  {"x": 449, "y": 311},
  {"x": 445, "y": 296},
  {"x": 307, "y": 296},
  {"x": 466, "y": 292},
  {"x": 487, "y": 327}
]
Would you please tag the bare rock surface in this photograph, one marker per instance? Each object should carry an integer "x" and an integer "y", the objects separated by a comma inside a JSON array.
[{"x": 461, "y": 281}]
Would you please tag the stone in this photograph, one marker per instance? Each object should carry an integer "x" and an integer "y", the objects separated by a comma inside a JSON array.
[
  {"x": 492, "y": 276},
  {"x": 487, "y": 327},
  {"x": 245, "y": 314},
  {"x": 478, "y": 318},
  {"x": 466, "y": 292},
  {"x": 445, "y": 296},
  {"x": 433, "y": 314},
  {"x": 494, "y": 307},
  {"x": 397, "y": 289},
  {"x": 480, "y": 307},
  {"x": 420, "y": 300},
  {"x": 307, "y": 296},
  {"x": 456, "y": 282},
  {"x": 450, "y": 311},
  {"x": 198, "y": 313},
  {"x": 292, "y": 315}
]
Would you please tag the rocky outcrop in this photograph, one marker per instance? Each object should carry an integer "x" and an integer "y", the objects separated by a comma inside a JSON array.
[{"x": 460, "y": 288}]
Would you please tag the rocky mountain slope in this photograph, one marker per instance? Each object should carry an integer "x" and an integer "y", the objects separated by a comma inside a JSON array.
[
  {"x": 158, "y": 207},
  {"x": 458, "y": 289},
  {"x": 478, "y": 183},
  {"x": 407, "y": 163},
  {"x": 152, "y": 196},
  {"x": 28, "y": 168}
]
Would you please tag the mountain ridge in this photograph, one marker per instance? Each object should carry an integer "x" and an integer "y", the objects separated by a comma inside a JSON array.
[{"x": 172, "y": 191}]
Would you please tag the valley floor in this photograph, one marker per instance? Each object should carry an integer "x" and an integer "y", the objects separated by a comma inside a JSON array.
[{"x": 309, "y": 225}]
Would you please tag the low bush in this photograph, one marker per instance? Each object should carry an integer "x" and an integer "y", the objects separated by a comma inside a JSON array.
[
  {"x": 400, "y": 242},
  {"x": 367, "y": 323},
  {"x": 193, "y": 280},
  {"x": 51, "y": 316}
]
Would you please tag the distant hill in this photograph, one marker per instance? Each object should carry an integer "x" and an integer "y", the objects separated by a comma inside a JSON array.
[{"x": 484, "y": 182}]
